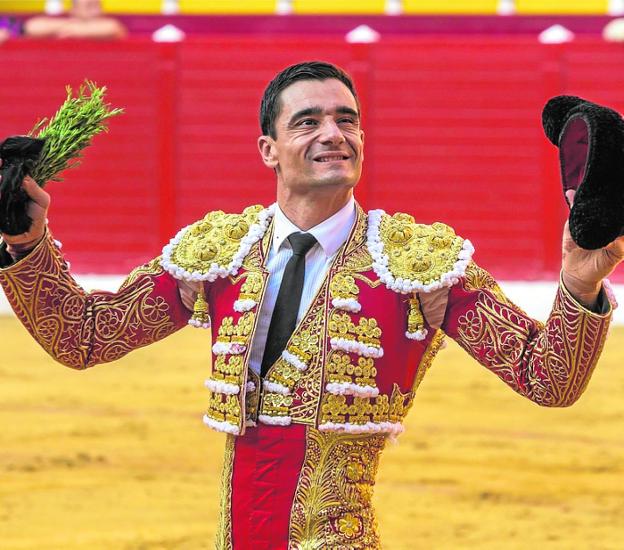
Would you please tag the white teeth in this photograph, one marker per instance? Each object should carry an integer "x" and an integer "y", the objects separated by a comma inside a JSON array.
[{"x": 330, "y": 158}]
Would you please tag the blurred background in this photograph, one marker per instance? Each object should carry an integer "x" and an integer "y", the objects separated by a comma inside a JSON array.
[{"x": 452, "y": 93}]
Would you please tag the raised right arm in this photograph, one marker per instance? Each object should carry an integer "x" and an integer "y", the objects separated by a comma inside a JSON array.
[
  {"x": 76, "y": 328},
  {"x": 79, "y": 329}
]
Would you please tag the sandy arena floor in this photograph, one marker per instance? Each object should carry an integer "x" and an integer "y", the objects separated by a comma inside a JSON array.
[{"x": 117, "y": 457}]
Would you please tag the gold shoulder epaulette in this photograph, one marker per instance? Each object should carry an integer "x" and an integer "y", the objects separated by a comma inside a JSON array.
[
  {"x": 216, "y": 245},
  {"x": 412, "y": 257}
]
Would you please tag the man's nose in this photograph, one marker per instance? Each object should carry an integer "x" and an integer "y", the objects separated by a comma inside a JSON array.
[{"x": 330, "y": 132}]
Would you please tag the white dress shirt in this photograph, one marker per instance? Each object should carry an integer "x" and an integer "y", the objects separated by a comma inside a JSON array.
[{"x": 330, "y": 235}]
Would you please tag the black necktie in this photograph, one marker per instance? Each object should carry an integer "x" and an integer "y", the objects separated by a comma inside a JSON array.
[{"x": 284, "y": 318}]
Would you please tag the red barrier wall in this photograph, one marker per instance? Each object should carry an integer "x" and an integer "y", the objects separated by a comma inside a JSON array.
[{"x": 452, "y": 127}]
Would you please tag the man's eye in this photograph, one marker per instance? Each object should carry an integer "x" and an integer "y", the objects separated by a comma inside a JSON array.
[
  {"x": 307, "y": 122},
  {"x": 347, "y": 120}
]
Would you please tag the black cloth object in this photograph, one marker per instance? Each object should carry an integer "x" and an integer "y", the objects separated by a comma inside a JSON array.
[
  {"x": 284, "y": 317},
  {"x": 19, "y": 154},
  {"x": 590, "y": 138}
]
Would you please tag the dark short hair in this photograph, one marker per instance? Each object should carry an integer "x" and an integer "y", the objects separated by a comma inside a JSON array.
[{"x": 309, "y": 70}]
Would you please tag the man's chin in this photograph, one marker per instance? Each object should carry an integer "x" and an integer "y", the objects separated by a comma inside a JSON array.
[
  {"x": 337, "y": 181},
  {"x": 338, "y": 178}
]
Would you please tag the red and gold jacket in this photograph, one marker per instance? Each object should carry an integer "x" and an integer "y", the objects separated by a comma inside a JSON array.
[{"x": 304, "y": 442}]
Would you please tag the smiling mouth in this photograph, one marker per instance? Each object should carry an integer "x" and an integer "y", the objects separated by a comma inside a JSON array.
[{"x": 331, "y": 157}]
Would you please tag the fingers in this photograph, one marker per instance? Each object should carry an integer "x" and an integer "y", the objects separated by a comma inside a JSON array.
[
  {"x": 617, "y": 248},
  {"x": 570, "y": 196},
  {"x": 36, "y": 193},
  {"x": 188, "y": 293}
]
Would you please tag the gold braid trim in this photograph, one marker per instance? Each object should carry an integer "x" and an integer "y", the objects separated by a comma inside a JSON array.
[
  {"x": 332, "y": 505},
  {"x": 150, "y": 268},
  {"x": 434, "y": 346},
  {"x": 80, "y": 329},
  {"x": 550, "y": 364},
  {"x": 224, "y": 533}
]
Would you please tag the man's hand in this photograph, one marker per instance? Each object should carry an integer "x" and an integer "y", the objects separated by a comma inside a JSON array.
[
  {"x": 38, "y": 212},
  {"x": 188, "y": 293},
  {"x": 583, "y": 270}
]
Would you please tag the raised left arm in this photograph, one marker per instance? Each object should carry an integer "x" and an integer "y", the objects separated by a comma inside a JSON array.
[{"x": 549, "y": 363}]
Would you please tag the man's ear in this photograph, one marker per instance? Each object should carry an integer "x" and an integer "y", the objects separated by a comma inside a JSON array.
[
  {"x": 266, "y": 146},
  {"x": 362, "y": 138}
]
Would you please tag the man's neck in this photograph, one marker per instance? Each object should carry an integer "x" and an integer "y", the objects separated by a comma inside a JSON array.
[{"x": 306, "y": 211}]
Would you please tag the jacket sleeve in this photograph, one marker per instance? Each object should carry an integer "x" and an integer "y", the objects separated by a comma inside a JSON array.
[
  {"x": 549, "y": 363},
  {"x": 79, "y": 329}
]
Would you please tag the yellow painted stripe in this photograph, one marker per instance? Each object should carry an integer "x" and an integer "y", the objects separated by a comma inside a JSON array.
[
  {"x": 450, "y": 6},
  {"x": 338, "y": 6},
  {"x": 234, "y": 7},
  {"x": 126, "y": 6},
  {"x": 23, "y": 6},
  {"x": 526, "y": 7}
]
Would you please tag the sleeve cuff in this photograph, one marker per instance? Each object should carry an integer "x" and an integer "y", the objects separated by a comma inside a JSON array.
[
  {"x": 7, "y": 262},
  {"x": 605, "y": 302}
]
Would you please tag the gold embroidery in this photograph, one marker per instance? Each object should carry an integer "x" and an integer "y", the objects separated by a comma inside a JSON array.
[
  {"x": 355, "y": 257},
  {"x": 415, "y": 319},
  {"x": 354, "y": 410},
  {"x": 366, "y": 332},
  {"x": 305, "y": 343},
  {"x": 303, "y": 403},
  {"x": 79, "y": 329},
  {"x": 252, "y": 288},
  {"x": 201, "y": 314},
  {"x": 416, "y": 251},
  {"x": 228, "y": 368},
  {"x": 285, "y": 374},
  {"x": 252, "y": 397},
  {"x": 254, "y": 261},
  {"x": 275, "y": 404},
  {"x": 341, "y": 369},
  {"x": 400, "y": 404},
  {"x": 231, "y": 367},
  {"x": 224, "y": 533},
  {"x": 549, "y": 364},
  {"x": 213, "y": 240},
  {"x": 150, "y": 268},
  {"x": 224, "y": 408},
  {"x": 477, "y": 278},
  {"x": 435, "y": 345},
  {"x": 332, "y": 505},
  {"x": 237, "y": 333},
  {"x": 343, "y": 286},
  {"x": 350, "y": 526}
]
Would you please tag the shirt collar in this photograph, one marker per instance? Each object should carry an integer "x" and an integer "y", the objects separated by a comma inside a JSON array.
[{"x": 330, "y": 233}]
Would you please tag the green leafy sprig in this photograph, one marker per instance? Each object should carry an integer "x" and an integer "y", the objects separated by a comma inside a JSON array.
[{"x": 70, "y": 130}]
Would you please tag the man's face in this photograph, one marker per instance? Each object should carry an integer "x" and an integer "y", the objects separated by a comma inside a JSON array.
[{"x": 319, "y": 143}]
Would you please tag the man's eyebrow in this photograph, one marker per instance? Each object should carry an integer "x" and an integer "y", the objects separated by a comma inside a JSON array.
[
  {"x": 341, "y": 110},
  {"x": 305, "y": 112},
  {"x": 347, "y": 111}
]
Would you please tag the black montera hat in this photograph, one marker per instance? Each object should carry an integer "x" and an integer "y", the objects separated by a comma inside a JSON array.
[{"x": 590, "y": 138}]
